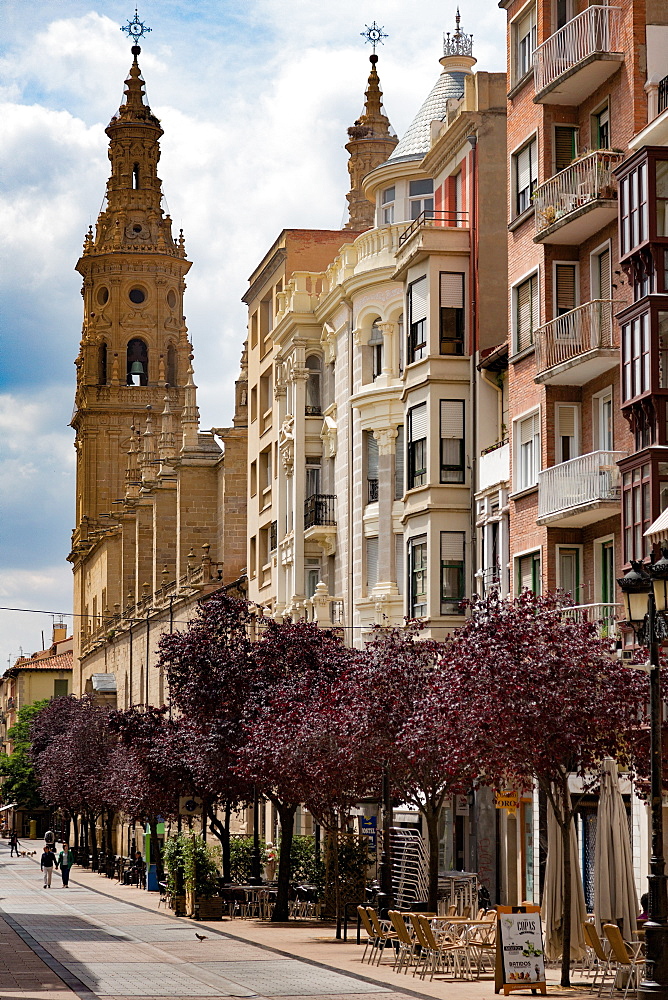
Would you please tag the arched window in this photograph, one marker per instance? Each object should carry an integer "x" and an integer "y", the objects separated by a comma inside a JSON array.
[
  {"x": 376, "y": 345},
  {"x": 313, "y": 386},
  {"x": 172, "y": 365},
  {"x": 137, "y": 364},
  {"x": 135, "y": 177},
  {"x": 102, "y": 364}
]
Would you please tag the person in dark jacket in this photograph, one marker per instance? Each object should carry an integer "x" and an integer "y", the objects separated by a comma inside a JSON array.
[
  {"x": 65, "y": 862},
  {"x": 47, "y": 863},
  {"x": 14, "y": 845}
]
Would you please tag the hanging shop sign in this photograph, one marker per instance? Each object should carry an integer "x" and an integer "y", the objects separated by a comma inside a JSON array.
[
  {"x": 507, "y": 799},
  {"x": 368, "y": 829},
  {"x": 190, "y": 805},
  {"x": 461, "y": 805},
  {"x": 520, "y": 961}
]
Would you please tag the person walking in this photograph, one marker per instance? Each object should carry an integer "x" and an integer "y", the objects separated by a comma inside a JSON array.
[
  {"x": 47, "y": 863},
  {"x": 14, "y": 845},
  {"x": 65, "y": 861}
]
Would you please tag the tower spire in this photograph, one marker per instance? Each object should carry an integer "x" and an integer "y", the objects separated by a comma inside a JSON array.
[{"x": 370, "y": 141}]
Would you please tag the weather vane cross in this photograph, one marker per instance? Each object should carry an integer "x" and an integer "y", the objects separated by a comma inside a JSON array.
[
  {"x": 135, "y": 28},
  {"x": 374, "y": 34}
]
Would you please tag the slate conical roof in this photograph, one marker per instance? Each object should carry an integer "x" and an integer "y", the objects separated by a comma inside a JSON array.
[{"x": 457, "y": 61}]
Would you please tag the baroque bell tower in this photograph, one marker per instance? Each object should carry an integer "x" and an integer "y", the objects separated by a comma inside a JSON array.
[{"x": 134, "y": 358}]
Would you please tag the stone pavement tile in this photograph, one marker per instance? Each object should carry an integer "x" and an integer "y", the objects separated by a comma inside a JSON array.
[
  {"x": 106, "y": 951},
  {"x": 214, "y": 949},
  {"x": 286, "y": 977},
  {"x": 23, "y": 973},
  {"x": 78, "y": 934},
  {"x": 140, "y": 980}
]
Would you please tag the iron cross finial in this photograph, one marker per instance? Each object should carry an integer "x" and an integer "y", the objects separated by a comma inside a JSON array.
[
  {"x": 135, "y": 28},
  {"x": 374, "y": 34}
]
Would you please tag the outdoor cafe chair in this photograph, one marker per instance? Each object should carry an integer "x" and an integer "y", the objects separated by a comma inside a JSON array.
[
  {"x": 602, "y": 959},
  {"x": 621, "y": 958},
  {"x": 446, "y": 951},
  {"x": 371, "y": 936},
  {"x": 406, "y": 950},
  {"x": 385, "y": 934}
]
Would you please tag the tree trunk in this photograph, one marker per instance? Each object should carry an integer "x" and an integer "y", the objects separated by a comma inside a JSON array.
[
  {"x": 286, "y": 815},
  {"x": 222, "y": 832},
  {"x": 430, "y": 813},
  {"x": 567, "y": 895},
  {"x": 92, "y": 827},
  {"x": 110, "y": 831}
]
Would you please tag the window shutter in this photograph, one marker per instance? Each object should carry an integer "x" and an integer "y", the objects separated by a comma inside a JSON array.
[
  {"x": 371, "y": 456},
  {"x": 418, "y": 422},
  {"x": 452, "y": 290},
  {"x": 567, "y": 431},
  {"x": 524, "y": 168},
  {"x": 418, "y": 300},
  {"x": 371, "y": 562},
  {"x": 533, "y": 281},
  {"x": 399, "y": 561},
  {"x": 564, "y": 146},
  {"x": 452, "y": 546},
  {"x": 527, "y": 310},
  {"x": 452, "y": 418},
  {"x": 528, "y": 429},
  {"x": 604, "y": 283},
  {"x": 565, "y": 282},
  {"x": 399, "y": 464},
  {"x": 376, "y": 335},
  {"x": 526, "y": 573}
]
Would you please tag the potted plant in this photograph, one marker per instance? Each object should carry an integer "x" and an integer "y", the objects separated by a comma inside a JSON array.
[
  {"x": 175, "y": 873},
  {"x": 203, "y": 899}
]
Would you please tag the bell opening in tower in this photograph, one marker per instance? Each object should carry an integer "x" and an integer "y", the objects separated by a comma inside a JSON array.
[
  {"x": 137, "y": 364},
  {"x": 135, "y": 177}
]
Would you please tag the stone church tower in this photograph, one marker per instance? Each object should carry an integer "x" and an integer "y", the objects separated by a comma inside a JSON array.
[
  {"x": 150, "y": 493},
  {"x": 370, "y": 143}
]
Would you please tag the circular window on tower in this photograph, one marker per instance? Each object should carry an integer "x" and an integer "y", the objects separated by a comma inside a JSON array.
[
  {"x": 171, "y": 298},
  {"x": 137, "y": 295},
  {"x": 102, "y": 295}
]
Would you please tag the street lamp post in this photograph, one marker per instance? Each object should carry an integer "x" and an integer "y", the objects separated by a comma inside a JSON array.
[{"x": 646, "y": 604}]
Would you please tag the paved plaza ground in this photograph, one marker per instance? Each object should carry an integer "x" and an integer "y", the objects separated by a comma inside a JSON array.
[{"x": 100, "y": 939}]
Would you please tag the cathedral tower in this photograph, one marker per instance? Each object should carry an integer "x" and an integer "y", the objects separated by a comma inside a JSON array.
[
  {"x": 134, "y": 357},
  {"x": 371, "y": 141}
]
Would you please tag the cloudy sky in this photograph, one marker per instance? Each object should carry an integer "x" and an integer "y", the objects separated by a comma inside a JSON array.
[{"x": 255, "y": 98}]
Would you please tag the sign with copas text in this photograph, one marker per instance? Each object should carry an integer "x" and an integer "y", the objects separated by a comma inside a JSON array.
[{"x": 520, "y": 961}]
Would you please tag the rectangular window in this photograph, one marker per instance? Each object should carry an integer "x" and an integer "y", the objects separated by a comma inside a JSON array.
[
  {"x": 312, "y": 483},
  {"x": 371, "y": 563},
  {"x": 451, "y": 319},
  {"x": 452, "y": 441},
  {"x": 399, "y": 560},
  {"x": 60, "y": 688},
  {"x": 417, "y": 446},
  {"x": 452, "y": 571},
  {"x": 635, "y": 357},
  {"x": 528, "y": 573},
  {"x": 565, "y": 288},
  {"x": 527, "y": 451},
  {"x": 525, "y": 170},
  {"x": 525, "y": 44},
  {"x": 635, "y": 511},
  {"x": 264, "y": 472},
  {"x": 312, "y": 576},
  {"x": 565, "y": 146},
  {"x": 602, "y": 414},
  {"x": 633, "y": 211},
  {"x": 567, "y": 432},
  {"x": 387, "y": 206},
  {"x": 417, "y": 323},
  {"x": 526, "y": 312},
  {"x": 418, "y": 578},
  {"x": 569, "y": 571},
  {"x": 417, "y": 190},
  {"x": 371, "y": 467},
  {"x": 399, "y": 463},
  {"x": 600, "y": 128},
  {"x": 252, "y": 557}
]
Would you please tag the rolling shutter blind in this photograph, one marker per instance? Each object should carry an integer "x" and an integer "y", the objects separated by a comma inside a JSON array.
[
  {"x": 371, "y": 562},
  {"x": 526, "y": 573},
  {"x": 524, "y": 168},
  {"x": 529, "y": 429},
  {"x": 399, "y": 464},
  {"x": 567, "y": 431},
  {"x": 418, "y": 422},
  {"x": 452, "y": 290},
  {"x": 604, "y": 283},
  {"x": 419, "y": 300},
  {"x": 452, "y": 546},
  {"x": 565, "y": 282},
  {"x": 564, "y": 146},
  {"x": 527, "y": 312},
  {"x": 371, "y": 456},
  {"x": 452, "y": 418}
]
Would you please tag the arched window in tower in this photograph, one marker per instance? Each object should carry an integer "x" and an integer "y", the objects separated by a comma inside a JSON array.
[
  {"x": 102, "y": 364},
  {"x": 313, "y": 386},
  {"x": 376, "y": 345},
  {"x": 172, "y": 365},
  {"x": 135, "y": 177},
  {"x": 137, "y": 362}
]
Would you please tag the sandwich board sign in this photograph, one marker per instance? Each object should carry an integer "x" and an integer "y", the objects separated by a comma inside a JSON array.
[{"x": 520, "y": 961}]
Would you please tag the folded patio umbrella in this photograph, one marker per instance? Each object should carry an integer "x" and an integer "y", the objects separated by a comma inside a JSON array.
[
  {"x": 553, "y": 893},
  {"x": 615, "y": 899}
]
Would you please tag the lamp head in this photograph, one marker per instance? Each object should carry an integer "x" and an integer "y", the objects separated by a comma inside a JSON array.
[
  {"x": 635, "y": 586},
  {"x": 659, "y": 573}
]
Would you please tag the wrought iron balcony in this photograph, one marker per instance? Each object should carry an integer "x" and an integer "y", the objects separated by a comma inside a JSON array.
[
  {"x": 432, "y": 218},
  {"x": 319, "y": 509},
  {"x": 578, "y": 58},
  {"x": 581, "y": 491},
  {"x": 573, "y": 204},
  {"x": 584, "y": 338},
  {"x": 662, "y": 96}
]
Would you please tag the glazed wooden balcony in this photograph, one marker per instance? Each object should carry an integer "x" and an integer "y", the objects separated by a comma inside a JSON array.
[
  {"x": 578, "y": 346},
  {"x": 578, "y": 201},
  {"x": 573, "y": 62},
  {"x": 580, "y": 492}
]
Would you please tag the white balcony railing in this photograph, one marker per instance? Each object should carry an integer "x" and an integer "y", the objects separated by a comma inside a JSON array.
[
  {"x": 586, "y": 180},
  {"x": 584, "y": 480},
  {"x": 586, "y": 328},
  {"x": 604, "y": 616},
  {"x": 595, "y": 31}
]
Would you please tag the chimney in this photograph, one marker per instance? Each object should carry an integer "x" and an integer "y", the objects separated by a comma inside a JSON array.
[{"x": 59, "y": 632}]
